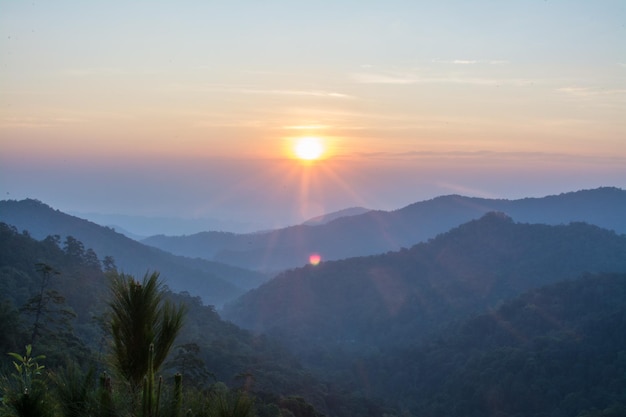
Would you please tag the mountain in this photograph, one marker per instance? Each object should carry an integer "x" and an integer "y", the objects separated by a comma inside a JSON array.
[
  {"x": 146, "y": 226},
  {"x": 553, "y": 351},
  {"x": 557, "y": 350},
  {"x": 378, "y": 231},
  {"x": 215, "y": 283},
  {"x": 328, "y": 217},
  {"x": 207, "y": 349},
  {"x": 400, "y": 298}
]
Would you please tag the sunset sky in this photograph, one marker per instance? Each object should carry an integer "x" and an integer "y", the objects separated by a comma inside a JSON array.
[{"x": 192, "y": 108}]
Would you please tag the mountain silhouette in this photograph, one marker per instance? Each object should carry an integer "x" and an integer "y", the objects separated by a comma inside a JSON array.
[
  {"x": 215, "y": 283},
  {"x": 376, "y": 231},
  {"x": 328, "y": 217},
  {"x": 399, "y": 298}
]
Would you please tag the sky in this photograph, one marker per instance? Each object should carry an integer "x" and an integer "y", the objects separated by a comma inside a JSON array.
[{"x": 191, "y": 109}]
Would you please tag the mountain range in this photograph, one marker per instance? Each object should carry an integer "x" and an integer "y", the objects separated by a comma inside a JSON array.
[
  {"x": 400, "y": 298},
  {"x": 375, "y": 231},
  {"x": 214, "y": 282},
  {"x": 514, "y": 312}
]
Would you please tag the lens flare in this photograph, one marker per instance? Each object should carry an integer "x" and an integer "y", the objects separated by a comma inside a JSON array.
[{"x": 315, "y": 259}]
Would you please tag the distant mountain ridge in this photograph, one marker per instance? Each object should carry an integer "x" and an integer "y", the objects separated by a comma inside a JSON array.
[
  {"x": 379, "y": 231},
  {"x": 398, "y": 298},
  {"x": 215, "y": 283},
  {"x": 328, "y": 217}
]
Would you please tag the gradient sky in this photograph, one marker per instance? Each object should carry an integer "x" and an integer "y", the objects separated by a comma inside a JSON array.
[{"x": 189, "y": 108}]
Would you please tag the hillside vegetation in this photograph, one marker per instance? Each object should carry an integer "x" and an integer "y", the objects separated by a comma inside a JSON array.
[
  {"x": 400, "y": 298},
  {"x": 214, "y": 282},
  {"x": 209, "y": 352},
  {"x": 492, "y": 318}
]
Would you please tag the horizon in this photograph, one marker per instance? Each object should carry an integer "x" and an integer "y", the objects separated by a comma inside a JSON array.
[
  {"x": 139, "y": 227},
  {"x": 196, "y": 110}
]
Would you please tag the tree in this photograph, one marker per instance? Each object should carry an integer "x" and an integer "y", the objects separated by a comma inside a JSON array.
[
  {"x": 37, "y": 305},
  {"x": 140, "y": 317},
  {"x": 91, "y": 259},
  {"x": 52, "y": 328},
  {"x": 109, "y": 264},
  {"x": 74, "y": 248},
  {"x": 190, "y": 365}
]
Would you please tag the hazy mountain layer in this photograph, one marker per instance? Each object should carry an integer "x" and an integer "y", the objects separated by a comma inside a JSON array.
[
  {"x": 215, "y": 283},
  {"x": 325, "y": 218},
  {"x": 399, "y": 298},
  {"x": 376, "y": 232}
]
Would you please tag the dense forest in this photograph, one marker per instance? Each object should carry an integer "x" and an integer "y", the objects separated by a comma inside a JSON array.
[
  {"x": 540, "y": 333},
  {"x": 212, "y": 281},
  {"x": 555, "y": 351},
  {"x": 56, "y": 297},
  {"x": 401, "y": 298}
]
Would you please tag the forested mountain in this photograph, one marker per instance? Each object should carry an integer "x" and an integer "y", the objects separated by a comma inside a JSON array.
[
  {"x": 208, "y": 350},
  {"x": 377, "y": 232},
  {"x": 555, "y": 351},
  {"x": 401, "y": 298},
  {"x": 214, "y": 282},
  {"x": 461, "y": 325}
]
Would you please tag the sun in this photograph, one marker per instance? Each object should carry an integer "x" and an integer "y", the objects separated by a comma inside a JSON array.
[{"x": 309, "y": 148}]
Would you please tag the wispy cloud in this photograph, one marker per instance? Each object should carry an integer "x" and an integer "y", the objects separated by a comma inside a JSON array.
[
  {"x": 107, "y": 71},
  {"x": 500, "y": 156},
  {"x": 373, "y": 78},
  {"x": 590, "y": 92},
  {"x": 307, "y": 127},
  {"x": 407, "y": 78},
  {"x": 470, "y": 61},
  {"x": 38, "y": 122},
  {"x": 220, "y": 88},
  {"x": 310, "y": 93}
]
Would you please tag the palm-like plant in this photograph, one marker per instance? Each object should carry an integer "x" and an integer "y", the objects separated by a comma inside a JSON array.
[{"x": 140, "y": 317}]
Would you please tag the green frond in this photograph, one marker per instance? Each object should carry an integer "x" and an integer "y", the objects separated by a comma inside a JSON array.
[{"x": 141, "y": 317}]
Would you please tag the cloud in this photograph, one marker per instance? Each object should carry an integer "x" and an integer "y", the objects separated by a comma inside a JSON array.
[
  {"x": 590, "y": 92},
  {"x": 372, "y": 78},
  {"x": 481, "y": 155},
  {"x": 311, "y": 93},
  {"x": 307, "y": 127},
  {"x": 407, "y": 78},
  {"x": 107, "y": 72},
  {"x": 470, "y": 61},
  {"x": 38, "y": 122},
  {"x": 220, "y": 88}
]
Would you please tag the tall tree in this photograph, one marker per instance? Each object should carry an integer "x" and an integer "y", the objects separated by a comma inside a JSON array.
[
  {"x": 74, "y": 248},
  {"x": 38, "y": 304},
  {"x": 140, "y": 316}
]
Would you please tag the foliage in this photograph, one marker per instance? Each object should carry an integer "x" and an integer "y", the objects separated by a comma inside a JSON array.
[
  {"x": 75, "y": 390},
  {"x": 558, "y": 350},
  {"x": 213, "y": 281},
  {"x": 141, "y": 321},
  {"x": 25, "y": 392},
  {"x": 402, "y": 298},
  {"x": 552, "y": 351},
  {"x": 209, "y": 349}
]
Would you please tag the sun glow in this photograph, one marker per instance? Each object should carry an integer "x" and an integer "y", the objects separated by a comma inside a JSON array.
[{"x": 309, "y": 148}]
